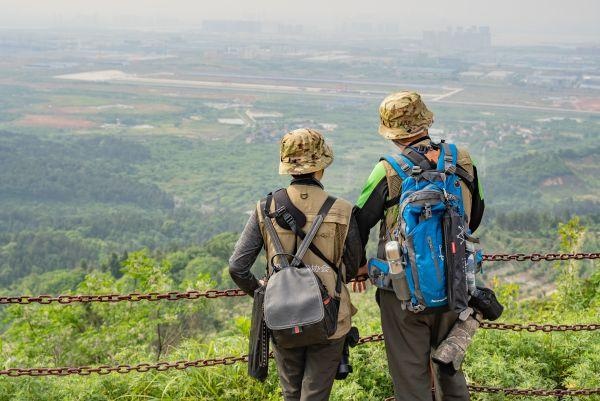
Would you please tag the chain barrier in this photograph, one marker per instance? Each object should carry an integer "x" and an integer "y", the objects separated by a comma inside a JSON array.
[
  {"x": 538, "y": 257},
  {"x": 558, "y": 392},
  {"x": 112, "y": 298},
  {"x": 546, "y": 328},
  {"x": 106, "y": 369},
  {"x": 211, "y": 294},
  {"x": 230, "y": 360},
  {"x": 143, "y": 367}
]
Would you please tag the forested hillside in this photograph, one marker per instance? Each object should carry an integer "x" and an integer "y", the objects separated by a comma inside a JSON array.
[
  {"x": 147, "y": 332},
  {"x": 73, "y": 201}
]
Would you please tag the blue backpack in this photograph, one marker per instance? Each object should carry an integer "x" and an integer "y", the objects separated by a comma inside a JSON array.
[{"x": 432, "y": 230}]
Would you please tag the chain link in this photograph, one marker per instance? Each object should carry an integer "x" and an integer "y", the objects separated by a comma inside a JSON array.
[
  {"x": 112, "y": 298},
  {"x": 143, "y": 367},
  {"x": 230, "y": 360},
  {"x": 558, "y": 392},
  {"x": 211, "y": 294},
  {"x": 538, "y": 257},
  {"x": 547, "y": 328},
  {"x": 106, "y": 369}
]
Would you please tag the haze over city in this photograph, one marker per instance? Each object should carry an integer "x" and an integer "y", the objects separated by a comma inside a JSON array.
[{"x": 512, "y": 21}]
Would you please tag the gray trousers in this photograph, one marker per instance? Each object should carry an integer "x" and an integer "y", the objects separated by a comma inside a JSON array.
[
  {"x": 409, "y": 339},
  {"x": 307, "y": 373}
]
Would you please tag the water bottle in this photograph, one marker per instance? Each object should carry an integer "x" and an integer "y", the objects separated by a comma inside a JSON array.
[
  {"x": 471, "y": 274},
  {"x": 393, "y": 254}
]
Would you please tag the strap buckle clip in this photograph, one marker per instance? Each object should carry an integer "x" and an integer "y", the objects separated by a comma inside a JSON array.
[{"x": 427, "y": 211}]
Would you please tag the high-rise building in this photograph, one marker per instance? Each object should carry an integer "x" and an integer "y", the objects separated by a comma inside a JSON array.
[{"x": 472, "y": 38}]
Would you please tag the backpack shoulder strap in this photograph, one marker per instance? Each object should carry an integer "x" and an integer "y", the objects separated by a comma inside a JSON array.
[
  {"x": 467, "y": 178},
  {"x": 271, "y": 232},
  {"x": 417, "y": 158},
  {"x": 310, "y": 235},
  {"x": 314, "y": 227},
  {"x": 448, "y": 158},
  {"x": 400, "y": 164},
  {"x": 294, "y": 218},
  {"x": 322, "y": 213}
]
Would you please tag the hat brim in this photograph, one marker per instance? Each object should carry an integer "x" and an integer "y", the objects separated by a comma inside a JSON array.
[
  {"x": 305, "y": 168},
  {"x": 393, "y": 133}
]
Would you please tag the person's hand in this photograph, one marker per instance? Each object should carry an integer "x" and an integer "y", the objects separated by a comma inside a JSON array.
[
  {"x": 262, "y": 282},
  {"x": 360, "y": 286}
]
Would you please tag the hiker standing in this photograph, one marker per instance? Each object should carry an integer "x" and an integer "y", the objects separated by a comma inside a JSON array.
[
  {"x": 416, "y": 313},
  {"x": 279, "y": 224}
]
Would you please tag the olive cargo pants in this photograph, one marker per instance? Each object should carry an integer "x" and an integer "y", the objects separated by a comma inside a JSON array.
[
  {"x": 307, "y": 373},
  {"x": 409, "y": 339}
]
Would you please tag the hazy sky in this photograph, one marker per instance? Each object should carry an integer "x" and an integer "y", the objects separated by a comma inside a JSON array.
[{"x": 508, "y": 18}]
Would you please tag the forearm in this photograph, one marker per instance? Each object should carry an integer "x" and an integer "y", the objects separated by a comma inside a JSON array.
[
  {"x": 244, "y": 255},
  {"x": 353, "y": 250},
  {"x": 370, "y": 213}
]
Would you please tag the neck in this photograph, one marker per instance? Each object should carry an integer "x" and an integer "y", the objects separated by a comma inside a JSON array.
[{"x": 310, "y": 180}]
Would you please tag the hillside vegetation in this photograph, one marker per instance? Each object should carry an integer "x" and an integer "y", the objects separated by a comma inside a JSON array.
[{"x": 126, "y": 333}]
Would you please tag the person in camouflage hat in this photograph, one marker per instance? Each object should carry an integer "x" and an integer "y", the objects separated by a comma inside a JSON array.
[
  {"x": 304, "y": 151},
  {"x": 305, "y": 373},
  {"x": 409, "y": 337},
  {"x": 403, "y": 115}
]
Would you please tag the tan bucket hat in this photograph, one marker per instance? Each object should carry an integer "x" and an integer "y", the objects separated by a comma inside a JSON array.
[
  {"x": 403, "y": 115},
  {"x": 304, "y": 151}
]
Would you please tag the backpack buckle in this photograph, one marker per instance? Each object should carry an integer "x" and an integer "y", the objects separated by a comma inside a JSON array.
[
  {"x": 416, "y": 170},
  {"x": 427, "y": 211},
  {"x": 416, "y": 308},
  {"x": 278, "y": 212}
]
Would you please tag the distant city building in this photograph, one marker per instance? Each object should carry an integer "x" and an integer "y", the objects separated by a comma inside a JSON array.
[
  {"x": 471, "y": 38},
  {"x": 366, "y": 27},
  {"x": 590, "y": 82},
  {"x": 554, "y": 81},
  {"x": 220, "y": 26},
  {"x": 244, "y": 26}
]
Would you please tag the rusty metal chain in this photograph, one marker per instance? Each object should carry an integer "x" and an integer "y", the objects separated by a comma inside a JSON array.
[
  {"x": 531, "y": 328},
  {"x": 230, "y": 360},
  {"x": 370, "y": 339},
  {"x": 106, "y": 369},
  {"x": 538, "y": 257},
  {"x": 112, "y": 298},
  {"x": 143, "y": 367},
  {"x": 210, "y": 294},
  {"x": 558, "y": 392},
  {"x": 547, "y": 328}
]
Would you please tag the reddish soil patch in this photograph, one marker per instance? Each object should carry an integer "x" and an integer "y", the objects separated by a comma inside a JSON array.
[
  {"x": 587, "y": 104},
  {"x": 38, "y": 120}
]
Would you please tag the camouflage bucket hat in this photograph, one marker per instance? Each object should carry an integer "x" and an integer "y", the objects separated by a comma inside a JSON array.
[
  {"x": 403, "y": 115},
  {"x": 304, "y": 151}
]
